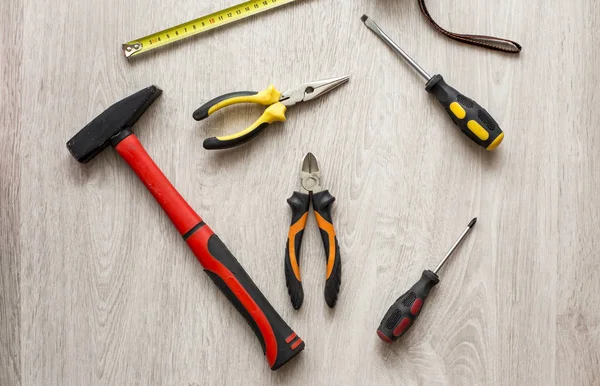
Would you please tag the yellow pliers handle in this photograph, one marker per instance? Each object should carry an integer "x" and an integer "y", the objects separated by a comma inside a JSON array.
[{"x": 274, "y": 113}]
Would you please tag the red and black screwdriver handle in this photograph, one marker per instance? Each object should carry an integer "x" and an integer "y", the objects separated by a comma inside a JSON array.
[
  {"x": 280, "y": 344},
  {"x": 299, "y": 203},
  {"x": 403, "y": 313}
]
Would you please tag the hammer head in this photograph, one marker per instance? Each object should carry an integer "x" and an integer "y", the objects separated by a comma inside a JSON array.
[{"x": 96, "y": 135}]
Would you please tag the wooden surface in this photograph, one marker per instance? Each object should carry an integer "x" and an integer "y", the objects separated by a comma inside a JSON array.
[{"x": 96, "y": 286}]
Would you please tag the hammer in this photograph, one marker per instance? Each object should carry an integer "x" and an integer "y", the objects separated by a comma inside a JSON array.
[{"x": 114, "y": 127}]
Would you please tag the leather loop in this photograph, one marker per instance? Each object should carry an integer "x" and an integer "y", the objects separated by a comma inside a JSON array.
[{"x": 489, "y": 42}]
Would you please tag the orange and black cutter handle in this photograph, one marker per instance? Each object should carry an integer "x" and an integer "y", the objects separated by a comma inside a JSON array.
[
  {"x": 403, "y": 313},
  {"x": 299, "y": 202},
  {"x": 279, "y": 342},
  {"x": 322, "y": 202}
]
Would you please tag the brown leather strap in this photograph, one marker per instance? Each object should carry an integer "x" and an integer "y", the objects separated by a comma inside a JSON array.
[{"x": 490, "y": 42}]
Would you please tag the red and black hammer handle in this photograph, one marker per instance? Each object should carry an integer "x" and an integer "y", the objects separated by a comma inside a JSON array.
[{"x": 279, "y": 342}]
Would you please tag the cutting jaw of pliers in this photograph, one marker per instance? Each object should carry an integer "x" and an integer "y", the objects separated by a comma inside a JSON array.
[
  {"x": 321, "y": 199},
  {"x": 276, "y": 101}
]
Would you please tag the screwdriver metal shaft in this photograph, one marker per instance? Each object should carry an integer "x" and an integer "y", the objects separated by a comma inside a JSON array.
[
  {"x": 406, "y": 309},
  {"x": 472, "y": 119},
  {"x": 379, "y": 32},
  {"x": 456, "y": 244}
]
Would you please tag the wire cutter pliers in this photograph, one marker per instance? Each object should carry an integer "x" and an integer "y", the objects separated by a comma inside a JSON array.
[
  {"x": 312, "y": 190},
  {"x": 278, "y": 103}
]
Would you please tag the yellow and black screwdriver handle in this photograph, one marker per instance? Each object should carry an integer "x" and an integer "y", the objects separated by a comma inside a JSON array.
[
  {"x": 472, "y": 119},
  {"x": 299, "y": 202},
  {"x": 274, "y": 113}
]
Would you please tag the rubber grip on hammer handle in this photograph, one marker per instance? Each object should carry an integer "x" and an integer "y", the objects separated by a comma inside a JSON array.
[{"x": 280, "y": 344}]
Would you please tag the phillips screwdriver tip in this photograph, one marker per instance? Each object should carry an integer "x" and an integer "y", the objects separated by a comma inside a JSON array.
[
  {"x": 364, "y": 18},
  {"x": 456, "y": 244}
]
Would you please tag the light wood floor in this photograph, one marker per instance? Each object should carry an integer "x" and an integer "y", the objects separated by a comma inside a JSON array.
[{"x": 97, "y": 288}]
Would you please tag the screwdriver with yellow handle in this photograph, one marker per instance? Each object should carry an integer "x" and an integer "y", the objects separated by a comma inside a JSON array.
[{"x": 472, "y": 119}]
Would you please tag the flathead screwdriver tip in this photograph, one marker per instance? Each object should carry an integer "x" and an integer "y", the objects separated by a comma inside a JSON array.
[{"x": 472, "y": 222}]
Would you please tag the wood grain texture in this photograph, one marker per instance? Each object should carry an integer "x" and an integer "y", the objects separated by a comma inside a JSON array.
[
  {"x": 11, "y": 20},
  {"x": 97, "y": 288}
]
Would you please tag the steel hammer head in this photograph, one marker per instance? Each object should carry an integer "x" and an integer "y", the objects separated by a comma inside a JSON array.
[{"x": 121, "y": 116}]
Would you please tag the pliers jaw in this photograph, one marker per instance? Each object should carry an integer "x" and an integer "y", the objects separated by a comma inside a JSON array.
[
  {"x": 310, "y": 175},
  {"x": 311, "y": 90}
]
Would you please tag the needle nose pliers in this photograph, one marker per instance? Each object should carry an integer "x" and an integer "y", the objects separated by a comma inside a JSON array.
[
  {"x": 276, "y": 101},
  {"x": 322, "y": 200}
]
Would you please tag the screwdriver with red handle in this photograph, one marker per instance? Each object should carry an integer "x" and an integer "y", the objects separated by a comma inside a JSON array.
[{"x": 407, "y": 308}]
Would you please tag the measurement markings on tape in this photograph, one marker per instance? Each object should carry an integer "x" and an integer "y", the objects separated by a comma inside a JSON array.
[{"x": 200, "y": 25}]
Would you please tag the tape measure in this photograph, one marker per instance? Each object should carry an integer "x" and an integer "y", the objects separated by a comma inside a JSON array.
[{"x": 200, "y": 25}]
